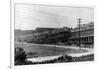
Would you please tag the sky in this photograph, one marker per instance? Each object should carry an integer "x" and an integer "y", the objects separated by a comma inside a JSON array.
[{"x": 29, "y": 17}]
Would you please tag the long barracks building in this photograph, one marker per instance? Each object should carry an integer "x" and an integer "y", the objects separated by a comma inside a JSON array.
[{"x": 86, "y": 34}]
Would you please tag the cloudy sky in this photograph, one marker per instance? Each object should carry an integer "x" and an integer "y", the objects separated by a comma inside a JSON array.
[{"x": 28, "y": 17}]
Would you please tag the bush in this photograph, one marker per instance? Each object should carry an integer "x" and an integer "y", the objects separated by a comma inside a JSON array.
[{"x": 20, "y": 56}]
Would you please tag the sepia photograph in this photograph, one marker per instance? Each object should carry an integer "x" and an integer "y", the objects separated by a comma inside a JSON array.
[{"x": 47, "y": 34}]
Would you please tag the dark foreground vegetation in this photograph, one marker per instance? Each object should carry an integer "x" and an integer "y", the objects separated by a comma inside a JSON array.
[{"x": 21, "y": 59}]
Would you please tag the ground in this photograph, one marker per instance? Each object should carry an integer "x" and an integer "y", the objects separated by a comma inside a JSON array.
[
  {"x": 41, "y": 50},
  {"x": 44, "y": 53}
]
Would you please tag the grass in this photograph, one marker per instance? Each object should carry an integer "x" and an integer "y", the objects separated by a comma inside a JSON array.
[{"x": 35, "y": 50}]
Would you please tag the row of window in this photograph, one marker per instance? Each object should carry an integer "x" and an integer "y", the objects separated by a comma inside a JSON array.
[
  {"x": 83, "y": 33},
  {"x": 84, "y": 39}
]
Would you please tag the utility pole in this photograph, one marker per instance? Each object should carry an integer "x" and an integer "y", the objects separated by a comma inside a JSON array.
[{"x": 79, "y": 21}]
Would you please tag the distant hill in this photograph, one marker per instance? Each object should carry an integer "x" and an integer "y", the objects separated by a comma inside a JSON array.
[
  {"x": 18, "y": 34},
  {"x": 23, "y": 32}
]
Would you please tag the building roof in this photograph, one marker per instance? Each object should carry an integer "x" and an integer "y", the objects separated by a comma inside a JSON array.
[{"x": 83, "y": 27}]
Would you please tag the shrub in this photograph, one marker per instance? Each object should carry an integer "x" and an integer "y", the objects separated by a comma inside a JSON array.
[{"x": 20, "y": 56}]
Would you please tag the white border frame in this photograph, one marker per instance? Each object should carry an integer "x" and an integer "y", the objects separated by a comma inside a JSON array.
[{"x": 12, "y": 30}]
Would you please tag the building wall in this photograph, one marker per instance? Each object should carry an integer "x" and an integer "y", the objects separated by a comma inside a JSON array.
[
  {"x": 40, "y": 29},
  {"x": 86, "y": 34}
]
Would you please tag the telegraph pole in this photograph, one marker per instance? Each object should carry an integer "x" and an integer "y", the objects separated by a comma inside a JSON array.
[{"x": 79, "y": 21}]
